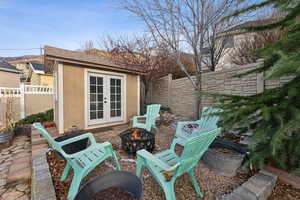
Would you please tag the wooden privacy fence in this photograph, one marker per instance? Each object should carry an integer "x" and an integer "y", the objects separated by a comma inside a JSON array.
[{"x": 27, "y": 100}]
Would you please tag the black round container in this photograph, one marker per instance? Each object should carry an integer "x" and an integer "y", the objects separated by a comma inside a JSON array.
[
  {"x": 133, "y": 145},
  {"x": 117, "y": 179},
  {"x": 75, "y": 146}
]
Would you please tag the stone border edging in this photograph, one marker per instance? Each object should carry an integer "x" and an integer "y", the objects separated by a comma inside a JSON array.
[
  {"x": 41, "y": 180},
  {"x": 258, "y": 187}
]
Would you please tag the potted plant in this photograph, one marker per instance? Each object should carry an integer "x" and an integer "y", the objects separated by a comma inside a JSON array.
[
  {"x": 7, "y": 129},
  {"x": 23, "y": 126}
]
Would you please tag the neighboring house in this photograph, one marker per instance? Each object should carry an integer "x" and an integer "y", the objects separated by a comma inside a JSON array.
[
  {"x": 37, "y": 75},
  {"x": 91, "y": 91},
  {"x": 234, "y": 37},
  {"x": 9, "y": 75},
  {"x": 34, "y": 70}
]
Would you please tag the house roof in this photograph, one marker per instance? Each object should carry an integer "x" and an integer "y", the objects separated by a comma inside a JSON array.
[
  {"x": 253, "y": 23},
  {"x": 37, "y": 67},
  {"x": 92, "y": 60},
  {"x": 4, "y": 66}
]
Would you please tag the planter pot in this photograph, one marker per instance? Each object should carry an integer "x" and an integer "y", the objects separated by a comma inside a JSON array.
[
  {"x": 116, "y": 179},
  {"x": 49, "y": 124},
  {"x": 5, "y": 137},
  {"x": 23, "y": 130},
  {"x": 225, "y": 164}
]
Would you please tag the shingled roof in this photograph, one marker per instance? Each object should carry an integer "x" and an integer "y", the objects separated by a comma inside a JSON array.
[
  {"x": 4, "y": 66},
  {"x": 82, "y": 57}
]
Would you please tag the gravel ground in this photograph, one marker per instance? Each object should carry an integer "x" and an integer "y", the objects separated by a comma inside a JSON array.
[
  {"x": 212, "y": 185},
  {"x": 283, "y": 191}
]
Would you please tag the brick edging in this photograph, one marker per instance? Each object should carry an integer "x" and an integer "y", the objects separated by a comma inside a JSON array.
[
  {"x": 41, "y": 179},
  {"x": 258, "y": 187}
]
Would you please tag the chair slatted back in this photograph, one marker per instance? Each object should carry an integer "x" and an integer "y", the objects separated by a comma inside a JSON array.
[
  {"x": 194, "y": 150},
  {"x": 208, "y": 119},
  {"x": 152, "y": 113},
  {"x": 45, "y": 133}
]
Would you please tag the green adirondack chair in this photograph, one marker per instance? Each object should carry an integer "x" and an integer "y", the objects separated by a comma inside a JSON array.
[
  {"x": 82, "y": 162},
  {"x": 166, "y": 166},
  {"x": 151, "y": 115},
  {"x": 206, "y": 123}
]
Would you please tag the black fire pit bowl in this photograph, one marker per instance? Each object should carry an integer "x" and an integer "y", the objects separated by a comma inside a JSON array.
[
  {"x": 116, "y": 179},
  {"x": 131, "y": 146}
]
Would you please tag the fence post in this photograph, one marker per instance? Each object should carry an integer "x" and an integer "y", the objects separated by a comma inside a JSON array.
[
  {"x": 169, "y": 89},
  {"x": 22, "y": 100},
  {"x": 260, "y": 85}
]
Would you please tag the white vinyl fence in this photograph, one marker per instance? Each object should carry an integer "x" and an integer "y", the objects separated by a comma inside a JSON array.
[{"x": 27, "y": 100}]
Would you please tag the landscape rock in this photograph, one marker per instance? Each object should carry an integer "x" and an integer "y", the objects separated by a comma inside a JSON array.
[
  {"x": 12, "y": 195},
  {"x": 2, "y": 182},
  {"x": 22, "y": 187}
]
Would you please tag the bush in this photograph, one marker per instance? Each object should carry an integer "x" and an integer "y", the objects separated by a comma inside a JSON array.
[
  {"x": 39, "y": 117},
  {"x": 165, "y": 108},
  {"x": 162, "y": 108}
]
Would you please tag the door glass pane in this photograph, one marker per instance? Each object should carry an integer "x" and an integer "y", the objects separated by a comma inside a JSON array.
[
  {"x": 93, "y": 107},
  {"x": 100, "y": 114},
  {"x": 100, "y": 106},
  {"x": 99, "y": 81},
  {"x": 93, "y": 88},
  {"x": 92, "y": 97},
  {"x": 115, "y": 97},
  {"x": 92, "y": 80},
  {"x": 112, "y": 113},
  {"x": 96, "y": 97},
  {"x": 92, "y": 115}
]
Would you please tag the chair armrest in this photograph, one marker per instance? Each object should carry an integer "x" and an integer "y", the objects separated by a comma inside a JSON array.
[
  {"x": 135, "y": 118},
  {"x": 140, "y": 116},
  {"x": 107, "y": 146},
  {"x": 77, "y": 138},
  {"x": 155, "y": 161}
]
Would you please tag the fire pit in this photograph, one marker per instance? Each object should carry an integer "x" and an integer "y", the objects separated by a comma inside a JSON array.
[{"x": 135, "y": 139}]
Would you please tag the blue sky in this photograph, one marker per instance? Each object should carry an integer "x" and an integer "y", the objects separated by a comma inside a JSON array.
[{"x": 61, "y": 23}]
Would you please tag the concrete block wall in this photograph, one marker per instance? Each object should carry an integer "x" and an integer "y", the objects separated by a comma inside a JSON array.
[{"x": 180, "y": 96}]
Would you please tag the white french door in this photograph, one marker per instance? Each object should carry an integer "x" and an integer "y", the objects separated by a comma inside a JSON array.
[{"x": 105, "y": 98}]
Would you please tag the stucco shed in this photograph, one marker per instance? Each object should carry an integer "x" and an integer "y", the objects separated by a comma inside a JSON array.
[{"x": 91, "y": 91}]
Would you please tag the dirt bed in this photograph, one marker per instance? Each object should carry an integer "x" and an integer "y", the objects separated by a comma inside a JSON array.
[{"x": 212, "y": 185}]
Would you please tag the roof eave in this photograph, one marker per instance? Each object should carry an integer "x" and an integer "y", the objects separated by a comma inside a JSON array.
[
  {"x": 11, "y": 70},
  {"x": 91, "y": 64}
]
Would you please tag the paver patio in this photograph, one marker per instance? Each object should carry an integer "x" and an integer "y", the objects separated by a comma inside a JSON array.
[{"x": 15, "y": 170}]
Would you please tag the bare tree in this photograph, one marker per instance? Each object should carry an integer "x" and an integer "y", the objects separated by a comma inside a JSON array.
[
  {"x": 217, "y": 42},
  {"x": 139, "y": 51},
  {"x": 182, "y": 25}
]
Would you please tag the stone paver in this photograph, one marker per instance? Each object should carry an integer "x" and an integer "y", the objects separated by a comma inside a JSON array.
[
  {"x": 15, "y": 170},
  {"x": 258, "y": 187},
  {"x": 42, "y": 185}
]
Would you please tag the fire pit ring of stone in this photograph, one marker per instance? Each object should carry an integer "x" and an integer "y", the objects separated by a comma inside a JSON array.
[{"x": 135, "y": 139}]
